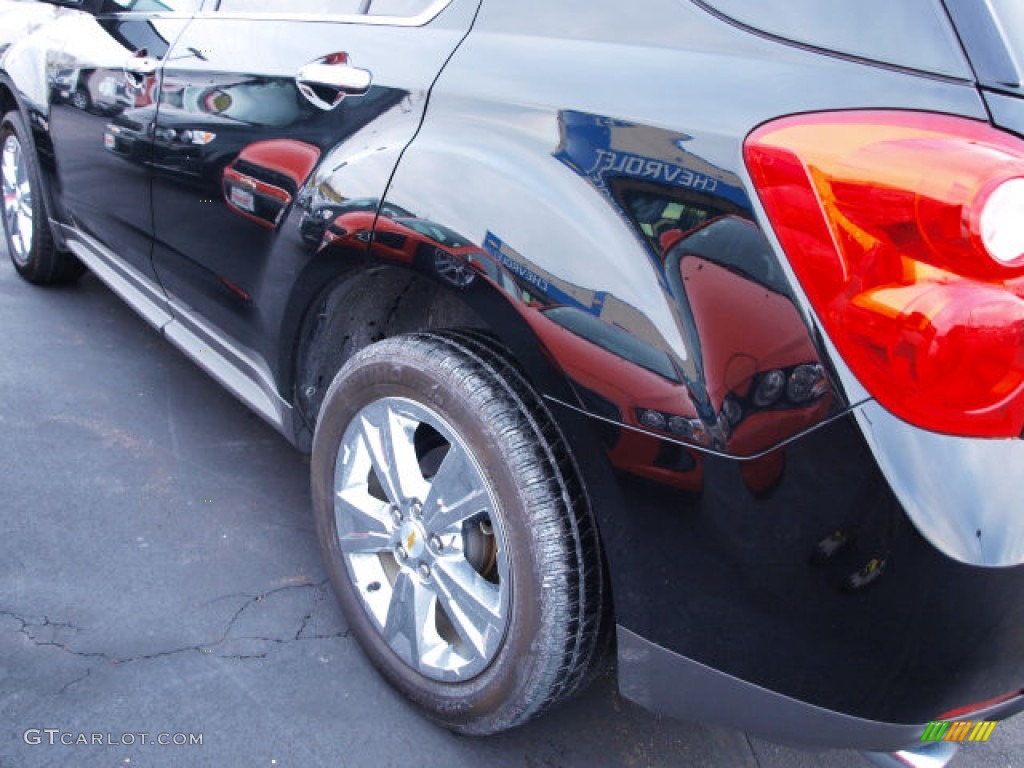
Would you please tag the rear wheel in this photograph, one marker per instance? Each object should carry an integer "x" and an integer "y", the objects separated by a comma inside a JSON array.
[
  {"x": 26, "y": 225},
  {"x": 457, "y": 538}
]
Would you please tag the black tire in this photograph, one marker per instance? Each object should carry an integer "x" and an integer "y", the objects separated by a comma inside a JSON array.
[
  {"x": 80, "y": 99},
  {"x": 31, "y": 245},
  {"x": 597, "y": 637},
  {"x": 553, "y": 631}
]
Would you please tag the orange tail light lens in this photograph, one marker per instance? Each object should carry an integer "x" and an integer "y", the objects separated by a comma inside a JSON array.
[{"x": 906, "y": 231}]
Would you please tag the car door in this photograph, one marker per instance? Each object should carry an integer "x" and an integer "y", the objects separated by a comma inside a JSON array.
[
  {"x": 272, "y": 115},
  {"x": 102, "y": 104}
]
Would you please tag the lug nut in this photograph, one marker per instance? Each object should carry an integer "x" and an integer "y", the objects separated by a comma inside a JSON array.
[
  {"x": 401, "y": 554},
  {"x": 435, "y": 543},
  {"x": 396, "y": 514},
  {"x": 424, "y": 570},
  {"x": 416, "y": 508}
]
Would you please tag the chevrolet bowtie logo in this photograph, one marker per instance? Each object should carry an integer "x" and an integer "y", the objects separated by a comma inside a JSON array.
[{"x": 411, "y": 541}]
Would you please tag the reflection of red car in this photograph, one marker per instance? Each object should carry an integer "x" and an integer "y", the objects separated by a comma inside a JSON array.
[
  {"x": 262, "y": 181},
  {"x": 410, "y": 240},
  {"x": 625, "y": 379},
  {"x": 618, "y": 376},
  {"x": 761, "y": 369}
]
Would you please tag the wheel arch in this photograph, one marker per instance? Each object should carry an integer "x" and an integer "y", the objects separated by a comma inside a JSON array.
[
  {"x": 7, "y": 98},
  {"x": 11, "y": 101},
  {"x": 373, "y": 301}
]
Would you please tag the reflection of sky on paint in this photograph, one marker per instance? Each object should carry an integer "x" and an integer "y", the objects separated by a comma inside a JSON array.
[
  {"x": 909, "y": 33},
  {"x": 89, "y": 43},
  {"x": 546, "y": 210},
  {"x": 371, "y": 47},
  {"x": 360, "y": 166},
  {"x": 950, "y": 508}
]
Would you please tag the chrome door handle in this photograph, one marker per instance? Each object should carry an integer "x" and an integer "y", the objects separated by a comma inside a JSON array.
[{"x": 325, "y": 83}]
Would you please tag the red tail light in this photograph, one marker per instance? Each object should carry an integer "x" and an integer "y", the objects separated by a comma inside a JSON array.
[{"x": 906, "y": 231}]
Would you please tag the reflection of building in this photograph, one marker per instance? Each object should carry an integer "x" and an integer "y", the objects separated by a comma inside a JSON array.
[
  {"x": 730, "y": 297},
  {"x": 550, "y": 289},
  {"x": 602, "y": 149}
]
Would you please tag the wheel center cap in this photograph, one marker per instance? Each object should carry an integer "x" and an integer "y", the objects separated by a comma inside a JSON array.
[{"x": 413, "y": 539}]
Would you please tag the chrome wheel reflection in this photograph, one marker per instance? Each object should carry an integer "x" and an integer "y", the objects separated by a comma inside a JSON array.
[
  {"x": 17, "y": 199},
  {"x": 423, "y": 539},
  {"x": 453, "y": 269}
]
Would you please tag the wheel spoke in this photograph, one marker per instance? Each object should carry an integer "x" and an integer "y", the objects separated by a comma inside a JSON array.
[
  {"x": 389, "y": 439},
  {"x": 361, "y": 530},
  {"x": 456, "y": 493},
  {"x": 472, "y": 603},
  {"x": 433, "y": 609},
  {"x": 10, "y": 169},
  {"x": 408, "y": 612}
]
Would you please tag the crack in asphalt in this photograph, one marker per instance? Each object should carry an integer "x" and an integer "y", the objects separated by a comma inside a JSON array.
[
  {"x": 65, "y": 687},
  {"x": 32, "y": 629}
]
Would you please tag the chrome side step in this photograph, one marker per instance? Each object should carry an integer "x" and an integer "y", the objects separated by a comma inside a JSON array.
[
  {"x": 935, "y": 755},
  {"x": 121, "y": 278},
  {"x": 231, "y": 366},
  {"x": 209, "y": 353}
]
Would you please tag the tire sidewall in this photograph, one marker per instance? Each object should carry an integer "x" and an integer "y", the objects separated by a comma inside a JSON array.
[
  {"x": 14, "y": 125},
  {"x": 507, "y": 675},
  {"x": 7, "y": 129},
  {"x": 44, "y": 263}
]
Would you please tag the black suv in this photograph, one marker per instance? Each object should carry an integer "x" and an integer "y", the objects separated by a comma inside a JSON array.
[{"x": 692, "y": 326}]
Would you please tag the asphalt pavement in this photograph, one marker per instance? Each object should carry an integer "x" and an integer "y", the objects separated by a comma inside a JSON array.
[{"x": 160, "y": 581}]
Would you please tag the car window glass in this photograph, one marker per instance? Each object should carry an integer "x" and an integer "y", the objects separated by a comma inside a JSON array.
[
  {"x": 619, "y": 342},
  {"x": 399, "y": 7},
  {"x": 138, "y": 35},
  {"x": 436, "y": 232},
  {"x": 293, "y": 6}
]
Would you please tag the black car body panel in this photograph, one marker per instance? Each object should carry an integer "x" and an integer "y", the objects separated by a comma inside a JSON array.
[
  {"x": 601, "y": 225},
  {"x": 710, "y": 562}
]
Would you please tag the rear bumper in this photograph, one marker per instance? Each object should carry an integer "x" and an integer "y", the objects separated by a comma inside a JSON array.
[
  {"x": 726, "y": 616},
  {"x": 665, "y": 682},
  {"x": 965, "y": 496}
]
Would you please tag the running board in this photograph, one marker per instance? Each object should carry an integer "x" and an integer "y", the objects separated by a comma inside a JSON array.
[{"x": 225, "y": 362}]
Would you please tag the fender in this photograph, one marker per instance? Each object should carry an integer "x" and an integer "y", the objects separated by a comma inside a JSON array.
[
  {"x": 23, "y": 86},
  {"x": 669, "y": 315}
]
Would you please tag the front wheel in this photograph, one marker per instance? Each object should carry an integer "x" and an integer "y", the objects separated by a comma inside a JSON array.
[
  {"x": 80, "y": 100},
  {"x": 26, "y": 225},
  {"x": 457, "y": 538}
]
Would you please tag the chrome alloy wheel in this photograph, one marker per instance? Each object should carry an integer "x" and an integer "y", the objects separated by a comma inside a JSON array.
[
  {"x": 17, "y": 192},
  {"x": 423, "y": 539}
]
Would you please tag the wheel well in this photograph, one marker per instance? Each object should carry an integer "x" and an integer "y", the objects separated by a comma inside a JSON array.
[
  {"x": 363, "y": 309},
  {"x": 7, "y": 100}
]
